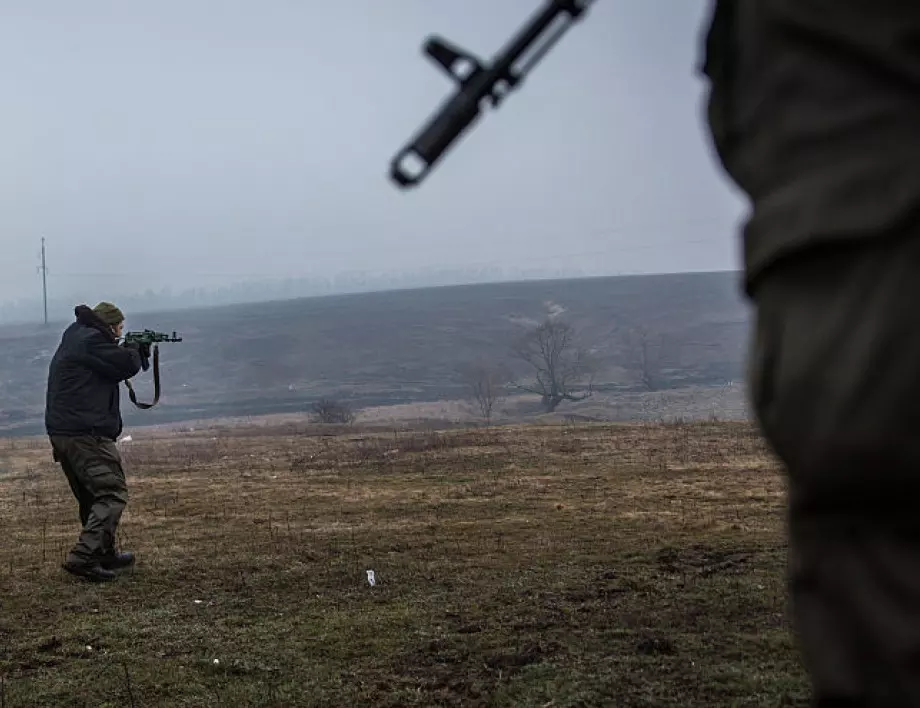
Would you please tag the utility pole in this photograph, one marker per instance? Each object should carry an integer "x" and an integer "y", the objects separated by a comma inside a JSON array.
[{"x": 44, "y": 270}]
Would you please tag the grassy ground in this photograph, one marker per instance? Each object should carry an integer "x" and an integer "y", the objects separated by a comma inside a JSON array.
[{"x": 559, "y": 566}]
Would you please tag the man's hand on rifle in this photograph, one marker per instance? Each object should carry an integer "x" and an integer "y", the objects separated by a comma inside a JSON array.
[{"x": 143, "y": 348}]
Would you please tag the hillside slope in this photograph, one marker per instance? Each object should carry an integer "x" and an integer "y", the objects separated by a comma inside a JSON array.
[{"x": 402, "y": 346}]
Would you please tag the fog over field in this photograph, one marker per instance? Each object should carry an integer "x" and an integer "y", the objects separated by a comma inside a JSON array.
[
  {"x": 181, "y": 154},
  {"x": 417, "y": 346}
]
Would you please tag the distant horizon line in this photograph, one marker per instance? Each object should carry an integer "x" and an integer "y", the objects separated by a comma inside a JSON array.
[{"x": 352, "y": 293}]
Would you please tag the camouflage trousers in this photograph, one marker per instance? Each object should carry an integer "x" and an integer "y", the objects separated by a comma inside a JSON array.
[{"x": 94, "y": 471}]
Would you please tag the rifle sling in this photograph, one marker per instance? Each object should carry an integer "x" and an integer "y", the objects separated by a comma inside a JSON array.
[{"x": 156, "y": 383}]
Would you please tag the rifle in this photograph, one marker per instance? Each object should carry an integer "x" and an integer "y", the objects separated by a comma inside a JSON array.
[
  {"x": 458, "y": 112},
  {"x": 146, "y": 339}
]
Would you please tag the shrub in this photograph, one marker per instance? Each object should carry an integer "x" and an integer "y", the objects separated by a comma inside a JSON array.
[{"x": 326, "y": 410}]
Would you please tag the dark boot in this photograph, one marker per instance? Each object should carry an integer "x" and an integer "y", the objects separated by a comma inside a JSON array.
[
  {"x": 90, "y": 570},
  {"x": 116, "y": 560}
]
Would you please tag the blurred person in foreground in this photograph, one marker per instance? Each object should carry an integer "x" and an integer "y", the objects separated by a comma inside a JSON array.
[
  {"x": 814, "y": 111},
  {"x": 83, "y": 421}
]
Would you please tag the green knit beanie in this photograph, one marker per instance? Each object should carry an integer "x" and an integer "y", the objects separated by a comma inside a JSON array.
[{"x": 109, "y": 314}]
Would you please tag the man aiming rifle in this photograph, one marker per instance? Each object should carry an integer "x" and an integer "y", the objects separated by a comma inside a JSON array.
[{"x": 83, "y": 421}]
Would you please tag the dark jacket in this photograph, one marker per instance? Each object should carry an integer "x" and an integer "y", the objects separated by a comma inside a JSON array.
[
  {"x": 813, "y": 110},
  {"x": 83, "y": 394}
]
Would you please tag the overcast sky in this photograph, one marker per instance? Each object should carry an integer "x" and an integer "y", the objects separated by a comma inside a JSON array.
[{"x": 199, "y": 142}]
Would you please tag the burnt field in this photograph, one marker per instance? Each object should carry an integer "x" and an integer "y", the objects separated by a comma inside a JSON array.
[{"x": 588, "y": 565}]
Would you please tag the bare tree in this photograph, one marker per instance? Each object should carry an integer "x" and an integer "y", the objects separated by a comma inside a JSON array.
[
  {"x": 486, "y": 386},
  {"x": 558, "y": 365},
  {"x": 646, "y": 355},
  {"x": 327, "y": 410}
]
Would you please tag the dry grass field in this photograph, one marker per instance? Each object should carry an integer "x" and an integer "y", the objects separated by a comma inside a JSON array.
[{"x": 588, "y": 565}]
